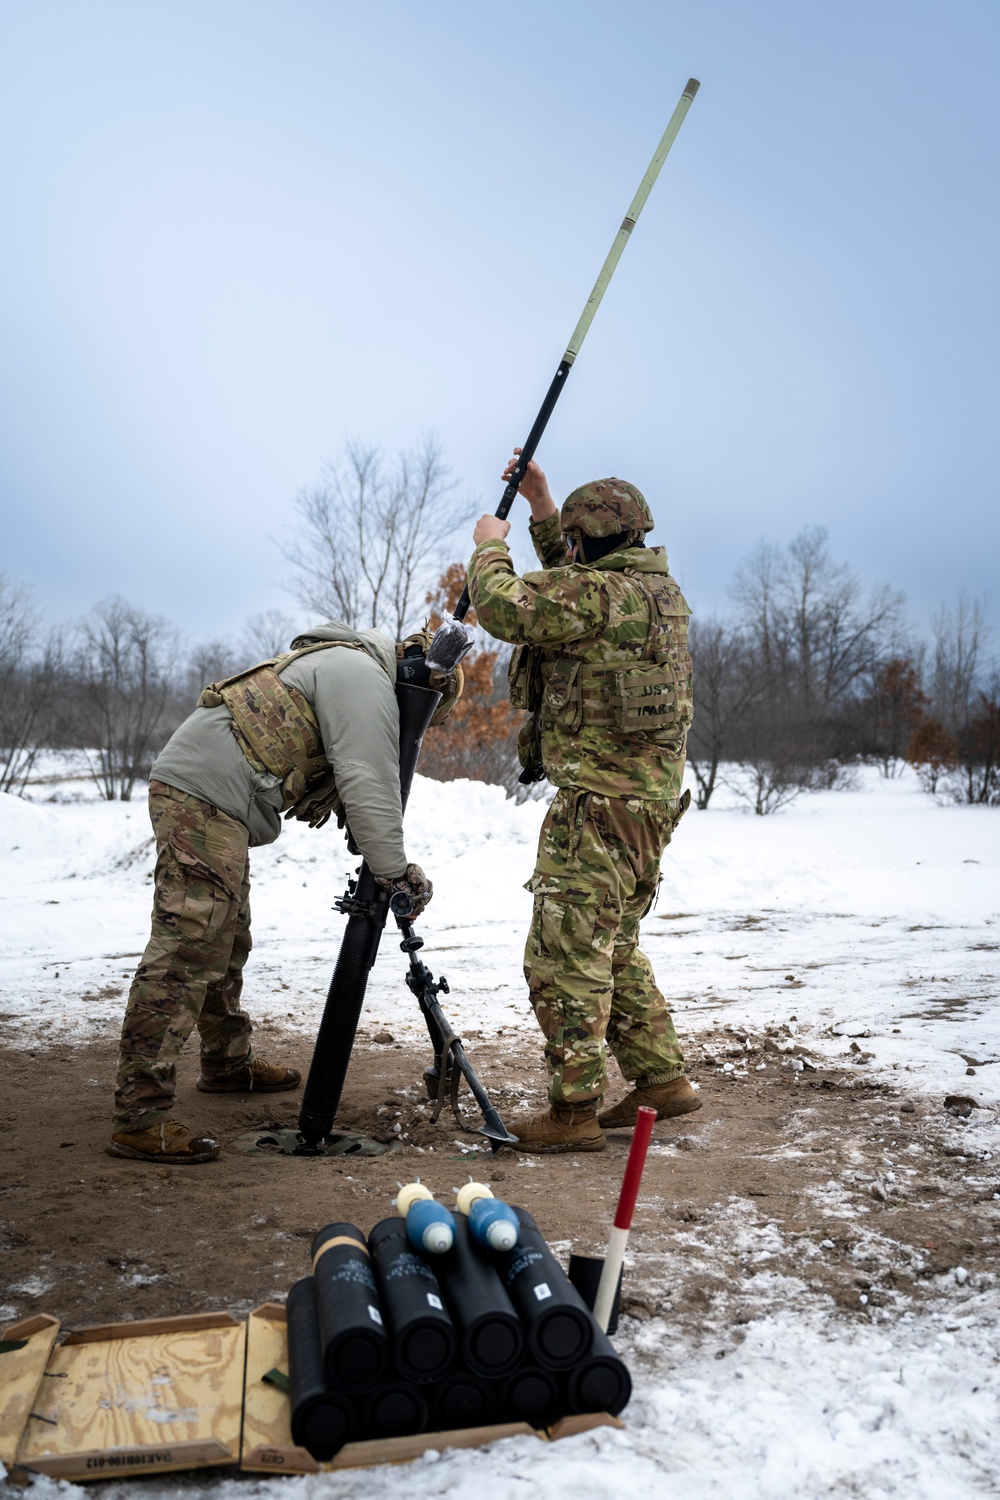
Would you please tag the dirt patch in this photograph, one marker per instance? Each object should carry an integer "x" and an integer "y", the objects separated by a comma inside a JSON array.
[{"x": 837, "y": 1186}]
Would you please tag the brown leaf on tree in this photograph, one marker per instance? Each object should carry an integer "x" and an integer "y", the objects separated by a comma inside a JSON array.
[{"x": 478, "y": 740}]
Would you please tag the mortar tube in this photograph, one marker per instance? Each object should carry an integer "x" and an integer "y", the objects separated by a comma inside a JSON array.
[
  {"x": 531, "y": 1395},
  {"x": 396, "y": 1409}
]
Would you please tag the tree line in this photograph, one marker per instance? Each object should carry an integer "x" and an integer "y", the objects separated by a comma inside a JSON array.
[
  {"x": 809, "y": 676},
  {"x": 804, "y": 678}
]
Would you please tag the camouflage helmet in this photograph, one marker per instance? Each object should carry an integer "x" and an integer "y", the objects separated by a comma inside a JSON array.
[{"x": 606, "y": 507}]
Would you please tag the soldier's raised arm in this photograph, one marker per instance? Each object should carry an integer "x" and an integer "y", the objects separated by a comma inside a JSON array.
[
  {"x": 529, "y": 610},
  {"x": 546, "y": 536}
]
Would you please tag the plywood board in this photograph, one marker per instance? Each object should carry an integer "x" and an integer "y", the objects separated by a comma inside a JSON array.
[
  {"x": 135, "y": 1403},
  {"x": 401, "y": 1450},
  {"x": 267, "y": 1432},
  {"x": 584, "y": 1422},
  {"x": 95, "y": 1333},
  {"x": 267, "y": 1418},
  {"x": 21, "y": 1373}
]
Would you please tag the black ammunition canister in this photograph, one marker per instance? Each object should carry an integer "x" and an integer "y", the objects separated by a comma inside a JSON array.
[
  {"x": 462, "y": 1400},
  {"x": 601, "y": 1382},
  {"x": 322, "y": 1420},
  {"x": 397, "y": 1409},
  {"x": 585, "y": 1273},
  {"x": 421, "y": 1332},
  {"x": 559, "y": 1324},
  {"x": 354, "y": 1341},
  {"x": 531, "y": 1395},
  {"x": 491, "y": 1333}
]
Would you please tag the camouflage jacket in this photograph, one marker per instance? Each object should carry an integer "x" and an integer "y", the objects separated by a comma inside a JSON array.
[{"x": 607, "y": 676}]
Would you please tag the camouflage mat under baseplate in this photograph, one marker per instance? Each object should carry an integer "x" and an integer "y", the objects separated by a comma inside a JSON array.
[{"x": 280, "y": 1142}]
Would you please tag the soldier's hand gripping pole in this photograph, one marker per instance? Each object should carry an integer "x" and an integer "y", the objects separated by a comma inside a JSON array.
[{"x": 451, "y": 639}]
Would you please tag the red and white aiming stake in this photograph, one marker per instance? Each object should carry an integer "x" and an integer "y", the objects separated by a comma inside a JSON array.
[{"x": 618, "y": 1240}]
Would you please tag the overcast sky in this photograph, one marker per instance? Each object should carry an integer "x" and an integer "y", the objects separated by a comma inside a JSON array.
[{"x": 235, "y": 231}]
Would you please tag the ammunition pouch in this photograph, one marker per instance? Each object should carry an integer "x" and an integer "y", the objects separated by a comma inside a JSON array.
[
  {"x": 524, "y": 678},
  {"x": 645, "y": 700},
  {"x": 562, "y": 697}
]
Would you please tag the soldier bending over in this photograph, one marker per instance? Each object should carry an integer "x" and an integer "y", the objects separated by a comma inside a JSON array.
[
  {"x": 603, "y": 667},
  {"x": 310, "y": 733}
]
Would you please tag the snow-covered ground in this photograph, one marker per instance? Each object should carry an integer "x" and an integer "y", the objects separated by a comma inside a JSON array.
[
  {"x": 872, "y": 913},
  {"x": 866, "y": 918}
]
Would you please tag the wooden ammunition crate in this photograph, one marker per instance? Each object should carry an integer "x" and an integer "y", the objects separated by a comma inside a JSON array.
[
  {"x": 21, "y": 1374},
  {"x": 173, "y": 1393},
  {"x": 132, "y": 1398}
]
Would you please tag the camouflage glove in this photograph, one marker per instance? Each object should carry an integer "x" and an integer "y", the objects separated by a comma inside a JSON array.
[
  {"x": 413, "y": 883},
  {"x": 450, "y": 686}
]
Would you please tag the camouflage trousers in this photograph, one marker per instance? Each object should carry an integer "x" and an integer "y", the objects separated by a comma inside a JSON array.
[
  {"x": 191, "y": 973},
  {"x": 596, "y": 876}
]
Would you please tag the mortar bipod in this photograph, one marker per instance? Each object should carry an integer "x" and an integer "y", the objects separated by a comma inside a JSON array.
[{"x": 450, "y": 1061}]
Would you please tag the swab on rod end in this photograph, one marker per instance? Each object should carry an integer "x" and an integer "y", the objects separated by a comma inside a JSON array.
[{"x": 450, "y": 642}]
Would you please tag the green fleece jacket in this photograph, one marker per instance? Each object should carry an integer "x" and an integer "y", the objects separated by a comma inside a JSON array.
[{"x": 353, "y": 695}]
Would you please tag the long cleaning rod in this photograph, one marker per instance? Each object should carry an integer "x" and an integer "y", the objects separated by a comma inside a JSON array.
[{"x": 447, "y": 639}]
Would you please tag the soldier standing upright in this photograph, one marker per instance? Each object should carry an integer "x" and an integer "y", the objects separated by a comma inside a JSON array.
[{"x": 601, "y": 664}]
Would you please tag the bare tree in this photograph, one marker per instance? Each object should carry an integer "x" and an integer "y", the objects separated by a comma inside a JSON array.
[
  {"x": 371, "y": 536},
  {"x": 726, "y": 686},
  {"x": 815, "y": 634},
  {"x": 960, "y": 639},
  {"x": 28, "y": 675},
  {"x": 268, "y": 633},
  {"x": 779, "y": 754},
  {"x": 977, "y": 776},
  {"x": 813, "y": 640},
  {"x": 204, "y": 662},
  {"x": 755, "y": 590},
  {"x": 126, "y": 670}
]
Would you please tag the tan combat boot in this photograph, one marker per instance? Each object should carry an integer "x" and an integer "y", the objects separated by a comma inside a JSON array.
[
  {"x": 259, "y": 1077},
  {"x": 167, "y": 1144},
  {"x": 668, "y": 1099},
  {"x": 562, "y": 1127}
]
